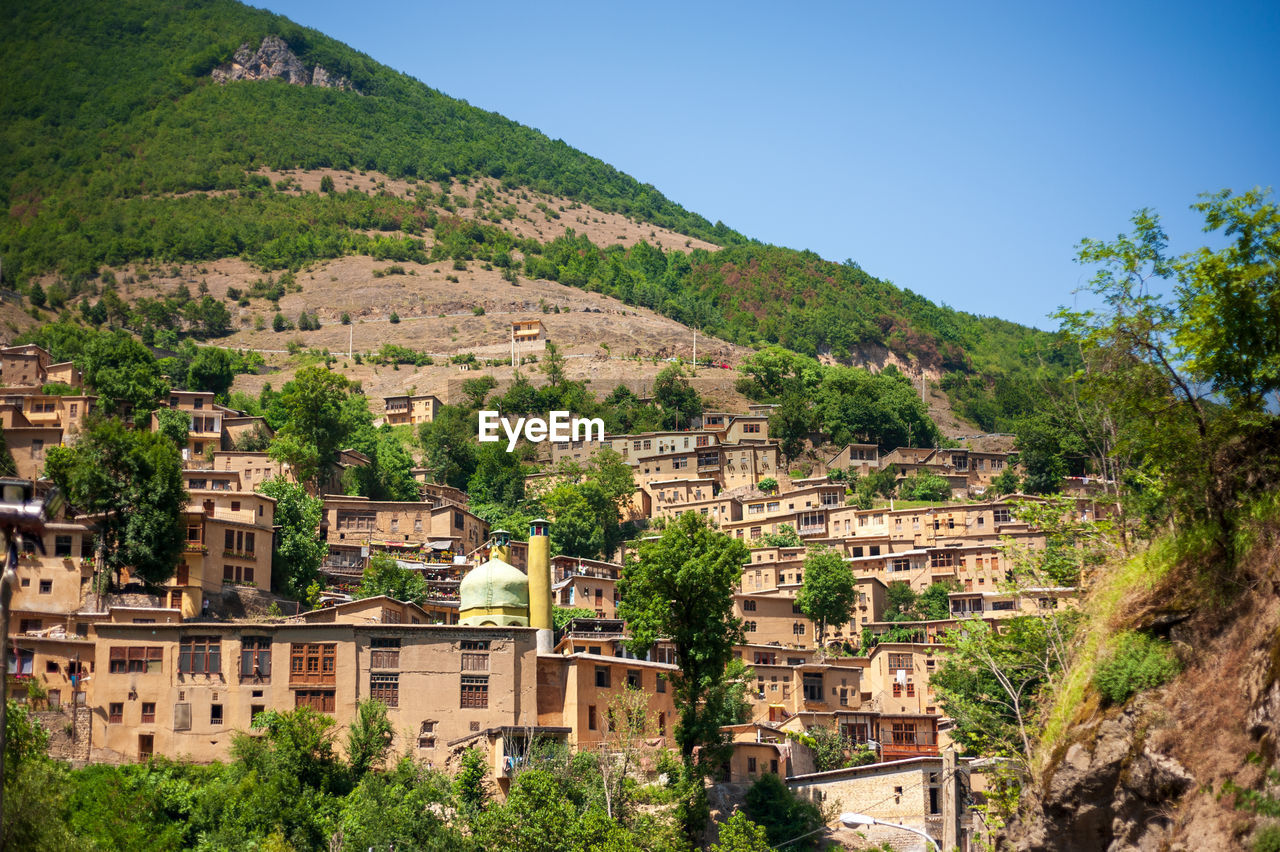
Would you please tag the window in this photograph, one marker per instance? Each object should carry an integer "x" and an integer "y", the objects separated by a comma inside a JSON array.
[
  {"x": 148, "y": 712},
  {"x": 320, "y": 700},
  {"x": 797, "y": 629},
  {"x": 62, "y": 545},
  {"x": 312, "y": 663},
  {"x": 46, "y": 587},
  {"x": 941, "y": 559},
  {"x": 813, "y": 687},
  {"x": 662, "y": 682},
  {"x": 385, "y": 653},
  {"x": 911, "y": 690},
  {"x": 475, "y": 662},
  {"x": 215, "y": 714},
  {"x": 1002, "y": 605},
  {"x": 602, "y": 676},
  {"x": 900, "y": 661},
  {"x": 255, "y": 657},
  {"x": 749, "y": 626},
  {"x": 475, "y": 692},
  {"x": 662, "y": 724},
  {"x": 134, "y": 660},
  {"x": 635, "y": 679},
  {"x": 182, "y": 716},
  {"x": 1001, "y": 516},
  {"x": 751, "y": 765},
  {"x": 749, "y": 606},
  {"x": 591, "y": 717},
  {"x": 115, "y": 712},
  {"x": 357, "y": 521},
  {"x": 385, "y": 688}
]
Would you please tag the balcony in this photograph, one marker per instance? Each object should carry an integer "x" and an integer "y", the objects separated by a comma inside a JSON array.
[{"x": 813, "y": 529}]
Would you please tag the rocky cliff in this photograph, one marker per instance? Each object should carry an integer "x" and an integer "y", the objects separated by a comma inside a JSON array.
[
  {"x": 1194, "y": 765},
  {"x": 273, "y": 60}
]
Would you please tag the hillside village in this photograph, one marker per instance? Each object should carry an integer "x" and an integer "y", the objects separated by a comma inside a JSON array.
[{"x": 126, "y": 672}]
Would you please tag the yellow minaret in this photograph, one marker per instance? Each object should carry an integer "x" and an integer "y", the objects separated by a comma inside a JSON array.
[{"x": 540, "y": 577}]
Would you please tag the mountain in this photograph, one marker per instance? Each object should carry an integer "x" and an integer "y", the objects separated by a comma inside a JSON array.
[{"x": 142, "y": 132}]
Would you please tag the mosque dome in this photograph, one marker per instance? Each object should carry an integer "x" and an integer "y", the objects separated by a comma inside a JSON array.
[{"x": 494, "y": 592}]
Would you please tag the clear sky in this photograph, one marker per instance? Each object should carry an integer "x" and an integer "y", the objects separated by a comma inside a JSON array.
[{"x": 960, "y": 150}]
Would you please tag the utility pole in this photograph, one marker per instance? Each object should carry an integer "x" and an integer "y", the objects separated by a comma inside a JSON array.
[
  {"x": 950, "y": 801},
  {"x": 695, "y": 350},
  {"x": 513, "y": 346},
  {"x": 351, "y": 335}
]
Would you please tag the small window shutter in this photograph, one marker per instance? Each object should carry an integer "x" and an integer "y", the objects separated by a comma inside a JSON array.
[{"x": 182, "y": 717}]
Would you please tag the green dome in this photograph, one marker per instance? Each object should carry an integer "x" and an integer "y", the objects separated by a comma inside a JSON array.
[{"x": 492, "y": 585}]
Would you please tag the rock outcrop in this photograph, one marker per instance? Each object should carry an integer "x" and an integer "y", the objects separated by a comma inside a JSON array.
[{"x": 273, "y": 60}]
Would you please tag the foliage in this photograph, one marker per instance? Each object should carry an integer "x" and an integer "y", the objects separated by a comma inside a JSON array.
[
  {"x": 829, "y": 592},
  {"x": 992, "y": 681},
  {"x": 174, "y": 424},
  {"x": 384, "y": 576},
  {"x": 561, "y": 615},
  {"x": 1179, "y": 365},
  {"x": 783, "y": 815},
  {"x": 924, "y": 485},
  {"x": 311, "y": 413},
  {"x": 449, "y": 444},
  {"x": 739, "y": 834},
  {"x": 680, "y": 587},
  {"x": 468, "y": 784},
  {"x": 1136, "y": 662},
  {"x": 368, "y": 737},
  {"x": 131, "y": 482},
  {"x": 299, "y": 551},
  {"x": 786, "y": 536},
  {"x": 768, "y": 484},
  {"x": 678, "y": 401}
]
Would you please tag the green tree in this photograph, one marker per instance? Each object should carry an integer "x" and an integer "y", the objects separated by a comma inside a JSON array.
[
  {"x": 326, "y": 183},
  {"x": 449, "y": 444},
  {"x": 212, "y": 369},
  {"x": 785, "y": 817},
  {"x": 680, "y": 586},
  {"x": 123, "y": 372},
  {"x": 786, "y": 536},
  {"x": 368, "y": 737},
  {"x": 992, "y": 681},
  {"x": 477, "y": 390},
  {"x": 299, "y": 551},
  {"x": 400, "y": 810},
  {"x": 676, "y": 398},
  {"x": 499, "y": 476},
  {"x": 131, "y": 482},
  {"x": 309, "y": 412},
  {"x": 468, "y": 784},
  {"x": 585, "y": 521},
  {"x": 829, "y": 591},
  {"x": 924, "y": 485},
  {"x": 174, "y": 424},
  {"x": 739, "y": 834},
  {"x": 791, "y": 423},
  {"x": 384, "y": 576}
]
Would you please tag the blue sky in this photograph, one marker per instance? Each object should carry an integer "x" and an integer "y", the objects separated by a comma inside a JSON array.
[{"x": 959, "y": 150}]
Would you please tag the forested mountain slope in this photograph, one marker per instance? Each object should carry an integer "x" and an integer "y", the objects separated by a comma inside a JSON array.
[{"x": 117, "y": 145}]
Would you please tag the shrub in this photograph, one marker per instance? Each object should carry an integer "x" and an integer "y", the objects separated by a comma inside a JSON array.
[
  {"x": 395, "y": 317},
  {"x": 326, "y": 183},
  {"x": 768, "y": 484},
  {"x": 280, "y": 323},
  {"x": 346, "y": 318},
  {"x": 478, "y": 311},
  {"x": 1137, "y": 662}
]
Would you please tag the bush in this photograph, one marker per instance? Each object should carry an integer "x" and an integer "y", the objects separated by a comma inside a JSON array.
[
  {"x": 768, "y": 484},
  {"x": 280, "y": 323},
  {"x": 346, "y": 318},
  {"x": 326, "y": 184},
  {"x": 1137, "y": 662},
  {"x": 478, "y": 311},
  {"x": 395, "y": 317}
]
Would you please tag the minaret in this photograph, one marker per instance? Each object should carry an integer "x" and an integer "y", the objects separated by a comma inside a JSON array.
[
  {"x": 501, "y": 545},
  {"x": 540, "y": 584}
]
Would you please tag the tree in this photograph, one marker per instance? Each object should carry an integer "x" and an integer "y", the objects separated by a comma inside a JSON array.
[
  {"x": 585, "y": 521},
  {"x": 130, "y": 484},
  {"x": 739, "y": 834},
  {"x": 468, "y": 784},
  {"x": 829, "y": 592},
  {"x": 552, "y": 365},
  {"x": 369, "y": 737},
  {"x": 791, "y": 422},
  {"x": 326, "y": 183},
  {"x": 309, "y": 410},
  {"x": 299, "y": 551},
  {"x": 785, "y": 817},
  {"x": 680, "y": 587},
  {"x": 384, "y": 576},
  {"x": 924, "y": 485},
  {"x": 174, "y": 424},
  {"x": 991, "y": 680},
  {"x": 449, "y": 444},
  {"x": 499, "y": 476},
  {"x": 123, "y": 372},
  {"x": 477, "y": 390},
  {"x": 1187, "y": 376},
  {"x": 212, "y": 369},
  {"x": 677, "y": 399},
  {"x": 786, "y": 536},
  {"x": 389, "y": 474}
]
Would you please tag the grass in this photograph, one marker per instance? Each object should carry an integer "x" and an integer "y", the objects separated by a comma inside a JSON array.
[{"x": 1141, "y": 572}]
